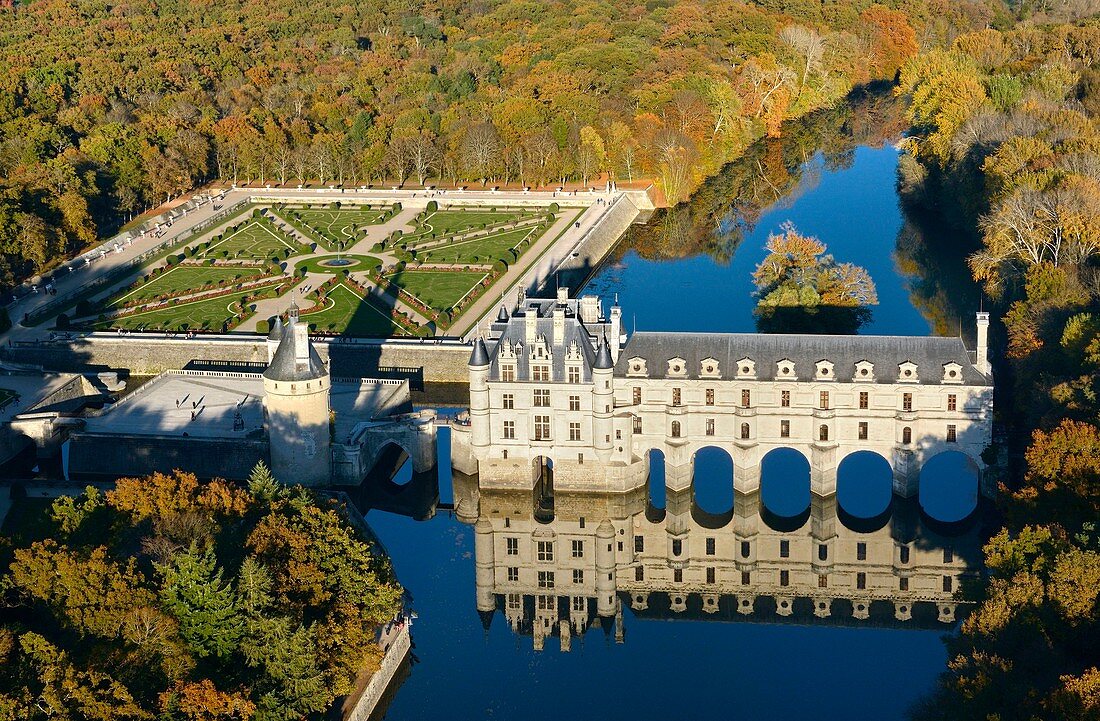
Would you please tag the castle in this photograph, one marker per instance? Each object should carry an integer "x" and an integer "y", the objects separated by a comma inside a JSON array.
[
  {"x": 219, "y": 418},
  {"x": 559, "y": 392}
]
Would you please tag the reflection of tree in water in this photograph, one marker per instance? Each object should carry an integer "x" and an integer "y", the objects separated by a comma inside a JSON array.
[
  {"x": 770, "y": 171},
  {"x": 933, "y": 255}
]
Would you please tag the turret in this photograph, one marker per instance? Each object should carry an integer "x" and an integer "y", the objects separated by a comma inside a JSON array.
[
  {"x": 296, "y": 408},
  {"x": 602, "y": 401},
  {"x": 484, "y": 566},
  {"x": 605, "y": 569},
  {"x": 479, "y": 398},
  {"x": 274, "y": 337},
  {"x": 982, "y": 361},
  {"x": 616, "y": 321}
]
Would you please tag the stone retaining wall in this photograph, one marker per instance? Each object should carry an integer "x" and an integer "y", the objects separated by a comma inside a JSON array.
[
  {"x": 150, "y": 354},
  {"x": 594, "y": 247},
  {"x": 113, "y": 455},
  {"x": 365, "y": 705}
]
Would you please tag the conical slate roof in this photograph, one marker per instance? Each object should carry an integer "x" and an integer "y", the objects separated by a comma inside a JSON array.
[
  {"x": 603, "y": 356},
  {"x": 276, "y": 329},
  {"x": 502, "y": 316},
  {"x": 480, "y": 354},
  {"x": 295, "y": 359}
]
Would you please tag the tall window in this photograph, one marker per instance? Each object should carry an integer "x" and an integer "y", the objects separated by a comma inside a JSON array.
[
  {"x": 784, "y": 548},
  {"x": 574, "y": 403},
  {"x": 951, "y": 401},
  {"x": 677, "y": 547},
  {"x": 948, "y": 555},
  {"x": 574, "y": 374},
  {"x": 636, "y": 392},
  {"x": 542, "y": 398},
  {"x": 784, "y": 429},
  {"x": 710, "y": 546},
  {"x": 822, "y": 581},
  {"x": 864, "y": 399},
  {"x": 542, "y": 428},
  {"x": 574, "y": 431},
  {"x": 637, "y": 421},
  {"x": 947, "y": 583},
  {"x": 513, "y": 573},
  {"x": 509, "y": 429},
  {"x": 512, "y": 544},
  {"x": 580, "y": 603},
  {"x": 861, "y": 551},
  {"x": 746, "y": 578},
  {"x": 785, "y": 399},
  {"x": 578, "y": 576},
  {"x": 784, "y": 578},
  {"x": 677, "y": 575},
  {"x": 745, "y": 549},
  {"x": 546, "y": 579},
  {"x": 545, "y": 550},
  {"x": 822, "y": 552},
  {"x": 951, "y": 436},
  {"x": 823, "y": 433},
  {"x": 907, "y": 401},
  {"x": 744, "y": 431},
  {"x": 639, "y": 573},
  {"x": 507, "y": 372},
  {"x": 823, "y": 400},
  {"x": 710, "y": 396},
  {"x": 509, "y": 401},
  {"x": 903, "y": 554},
  {"x": 676, "y": 429},
  {"x": 675, "y": 396},
  {"x": 746, "y": 398},
  {"x": 710, "y": 574},
  {"x": 540, "y": 372},
  {"x": 903, "y": 583},
  {"x": 639, "y": 544},
  {"x": 861, "y": 580},
  {"x": 710, "y": 426},
  {"x": 907, "y": 435},
  {"x": 863, "y": 430}
]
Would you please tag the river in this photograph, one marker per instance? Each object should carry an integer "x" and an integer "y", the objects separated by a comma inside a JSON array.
[{"x": 833, "y": 176}]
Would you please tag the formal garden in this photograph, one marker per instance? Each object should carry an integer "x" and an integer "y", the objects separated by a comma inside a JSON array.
[{"x": 358, "y": 270}]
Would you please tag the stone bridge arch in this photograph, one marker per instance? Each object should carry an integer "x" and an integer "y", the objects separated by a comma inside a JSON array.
[{"x": 414, "y": 433}]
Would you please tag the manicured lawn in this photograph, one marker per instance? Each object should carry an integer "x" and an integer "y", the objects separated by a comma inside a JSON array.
[
  {"x": 439, "y": 289},
  {"x": 349, "y": 314},
  {"x": 443, "y": 222},
  {"x": 332, "y": 227},
  {"x": 255, "y": 240},
  {"x": 480, "y": 250},
  {"x": 181, "y": 278},
  {"x": 207, "y": 314}
]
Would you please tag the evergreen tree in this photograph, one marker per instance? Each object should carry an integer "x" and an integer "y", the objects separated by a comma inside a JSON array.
[
  {"x": 204, "y": 605},
  {"x": 263, "y": 485},
  {"x": 294, "y": 684}
]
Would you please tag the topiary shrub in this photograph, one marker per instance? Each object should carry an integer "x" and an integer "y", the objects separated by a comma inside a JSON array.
[
  {"x": 431, "y": 207},
  {"x": 554, "y": 208},
  {"x": 263, "y": 326}
]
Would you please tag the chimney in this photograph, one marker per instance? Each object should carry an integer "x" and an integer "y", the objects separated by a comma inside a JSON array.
[
  {"x": 982, "y": 361},
  {"x": 559, "y": 326},
  {"x": 563, "y": 295},
  {"x": 530, "y": 325}
]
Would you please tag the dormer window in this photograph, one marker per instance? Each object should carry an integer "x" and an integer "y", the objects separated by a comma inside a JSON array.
[
  {"x": 785, "y": 369},
  {"x": 865, "y": 371},
  {"x": 824, "y": 371},
  {"x": 952, "y": 373},
  {"x": 708, "y": 368},
  {"x": 746, "y": 368},
  {"x": 677, "y": 367},
  {"x": 636, "y": 367},
  {"x": 907, "y": 372}
]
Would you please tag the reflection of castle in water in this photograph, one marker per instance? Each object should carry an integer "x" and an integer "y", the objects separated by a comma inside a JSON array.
[{"x": 559, "y": 565}]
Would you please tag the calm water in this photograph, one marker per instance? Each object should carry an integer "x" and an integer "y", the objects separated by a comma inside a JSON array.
[{"x": 692, "y": 272}]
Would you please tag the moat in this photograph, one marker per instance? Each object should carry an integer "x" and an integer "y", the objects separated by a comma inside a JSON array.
[{"x": 834, "y": 177}]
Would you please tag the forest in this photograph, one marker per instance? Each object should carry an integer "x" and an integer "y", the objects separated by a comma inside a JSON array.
[
  {"x": 109, "y": 109},
  {"x": 1006, "y": 145},
  {"x": 130, "y": 604}
]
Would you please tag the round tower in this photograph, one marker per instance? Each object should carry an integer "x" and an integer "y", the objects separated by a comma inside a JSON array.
[
  {"x": 296, "y": 409},
  {"x": 479, "y": 399},
  {"x": 603, "y": 400},
  {"x": 605, "y": 569}
]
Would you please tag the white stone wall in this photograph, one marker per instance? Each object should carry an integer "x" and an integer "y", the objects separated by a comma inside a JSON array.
[{"x": 297, "y": 421}]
